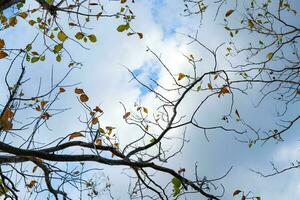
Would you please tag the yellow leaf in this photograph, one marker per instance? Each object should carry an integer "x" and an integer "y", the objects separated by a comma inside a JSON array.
[
  {"x": 3, "y": 54},
  {"x": 126, "y": 115},
  {"x": 123, "y": 1},
  {"x": 75, "y": 135},
  {"x": 43, "y": 103},
  {"x": 62, "y": 36},
  {"x": 84, "y": 98},
  {"x": 181, "y": 76},
  {"x": 228, "y": 13},
  {"x": 79, "y": 91},
  {"x": 23, "y": 15},
  {"x": 79, "y": 35},
  {"x": 145, "y": 110},
  {"x": 12, "y": 21},
  {"x": 31, "y": 184},
  {"x": 92, "y": 38},
  {"x": 270, "y": 55}
]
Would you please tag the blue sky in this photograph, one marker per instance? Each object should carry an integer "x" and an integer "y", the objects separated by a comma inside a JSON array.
[{"x": 107, "y": 82}]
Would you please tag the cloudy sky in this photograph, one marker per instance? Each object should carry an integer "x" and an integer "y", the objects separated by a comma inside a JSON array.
[{"x": 107, "y": 82}]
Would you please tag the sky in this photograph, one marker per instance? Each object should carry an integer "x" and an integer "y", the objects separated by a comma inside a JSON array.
[{"x": 107, "y": 83}]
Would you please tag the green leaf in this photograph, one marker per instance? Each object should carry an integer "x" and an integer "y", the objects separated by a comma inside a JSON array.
[
  {"x": 58, "y": 58},
  {"x": 42, "y": 58},
  {"x": 34, "y": 59},
  {"x": 3, "y": 189},
  {"x": 28, "y": 47},
  {"x": 57, "y": 48},
  {"x": 250, "y": 23},
  {"x": 92, "y": 38},
  {"x": 62, "y": 36},
  {"x": 123, "y": 27},
  {"x": 152, "y": 140},
  {"x": 176, "y": 186}
]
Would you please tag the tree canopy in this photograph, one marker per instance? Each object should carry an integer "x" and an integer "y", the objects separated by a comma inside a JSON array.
[{"x": 59, "y": 141}]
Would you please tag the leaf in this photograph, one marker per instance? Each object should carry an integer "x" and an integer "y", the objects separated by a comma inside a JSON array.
[
  {"x": 3, "y": 54},
  {"x": 152, "y": 140},
  {"x": 181, "y": 76},
  {"x": 2, "y": 43},
  {"x": 61, "y": 90},
  {"x": 79, "y": 91},
  {"x": 75, "y": 135},
  {"x": 101, "y": 130},
  {"x": 62, "y": 36},
  {"x": 224, "y": 90},
  {"x": 35, "y": 59},
  {"x": 98, "y": 142},
  {"x": 31, "y": 22},
  {"x": 250, "y": 23},
  {"x": 8, "y": 114},
  {"x": 57, "y": 48},
  {"x": 83, "y": 98},
  {"x": 58, "y": 58},
  {"x": 109, "y": 128},
  {"x": 270, "y": 56},
  {"x": 236, "y": 192},
  {"x": 31, "y": 184},
  {"x": 126, "y": 115},
  {"x": 228, "y": 13},
  {"x": 5, "y": 124},
  {"x": 145, "y": 110},
  {"x": 24, "y": 15},
  {"x": 123, "y": 27},
  {"x": 43, "y": 103},
  {"x": 141, "y": 35},
  {"x": 92, "y": 38},
  {"x": 42, "y": 58},
  {"x": 94, "y": 120},
  {"x": 176, "y": 186},
  {"x": 258, "y": 198},
  {"x": 243, "y": 197},
  {"x": 3, "y": 189},
  {"x": 12, "y": 21},
  {"x": 123, "y": 1},
  {"x": 298, "y": 91},
  {"x": 34, "y": 169},
  {"x": 79, "y": 35},
  {"x": 237, "y": 114},
  {"x": 97, "y": 109},
  {"x": 209, "y": 86}
]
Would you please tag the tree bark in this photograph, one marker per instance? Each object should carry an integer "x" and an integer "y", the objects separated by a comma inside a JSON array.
[{"x": 4, "y": 4}]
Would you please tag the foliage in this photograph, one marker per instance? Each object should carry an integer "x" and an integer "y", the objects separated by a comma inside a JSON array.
[{"x": 271, "y": 66}]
